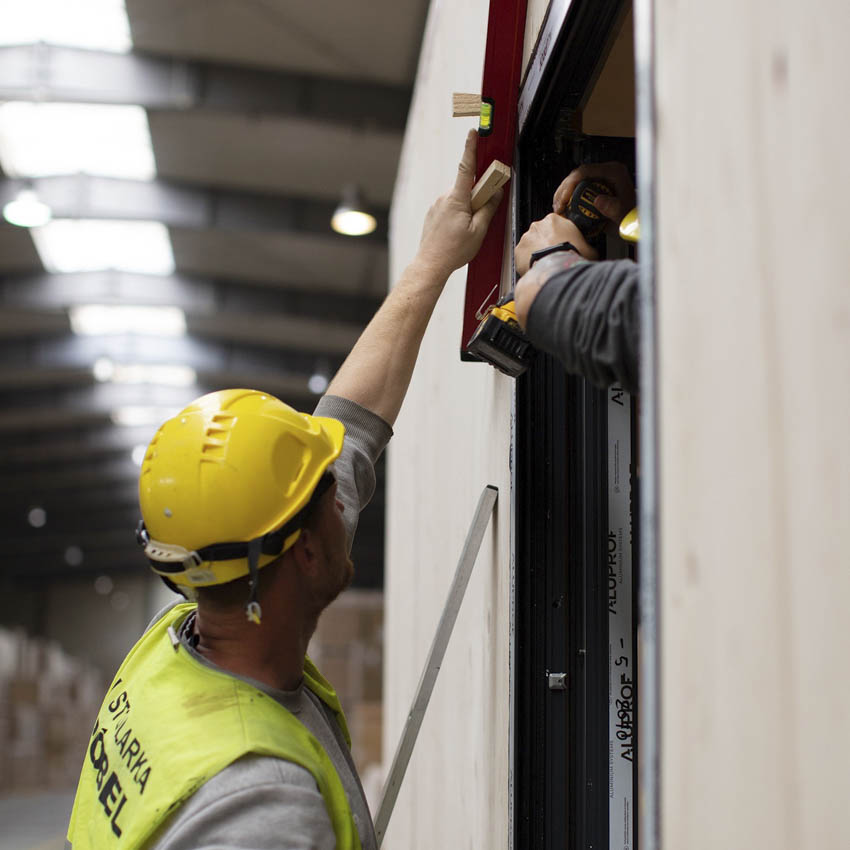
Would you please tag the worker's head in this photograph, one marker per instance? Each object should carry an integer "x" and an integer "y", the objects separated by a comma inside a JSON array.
[{"x": 228, "y": 485}]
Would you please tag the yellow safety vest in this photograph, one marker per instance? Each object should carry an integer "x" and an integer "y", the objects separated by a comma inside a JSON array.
[{"x": 168, "y": 724}]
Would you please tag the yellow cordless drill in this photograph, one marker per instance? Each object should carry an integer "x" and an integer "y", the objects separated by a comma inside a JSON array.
[{"x": 499, "y": 340}]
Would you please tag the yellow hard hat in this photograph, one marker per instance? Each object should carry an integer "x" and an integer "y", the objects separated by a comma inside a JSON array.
[
  {"x": 226, "y": 485},
  {"x": 630, "y": 226}
]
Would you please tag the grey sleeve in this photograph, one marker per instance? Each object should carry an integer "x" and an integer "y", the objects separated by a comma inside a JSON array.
[
  {"x": 366, "y": 436},
  {"x": 256, "y": 803},
  {"x": 588, "y": 317}
]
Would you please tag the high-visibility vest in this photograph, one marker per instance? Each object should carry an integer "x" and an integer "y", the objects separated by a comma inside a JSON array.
[{"x": 169, "y": 723}]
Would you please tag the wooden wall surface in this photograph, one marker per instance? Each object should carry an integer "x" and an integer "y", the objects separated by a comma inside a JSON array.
[
  {"x": 451, "y": 439},
  {"x": 754, "y": 342}
]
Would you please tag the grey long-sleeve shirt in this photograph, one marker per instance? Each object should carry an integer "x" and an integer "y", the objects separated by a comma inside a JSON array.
[
  {"x": 588, "y": 317},
  {"x": 262, "y": 803}
]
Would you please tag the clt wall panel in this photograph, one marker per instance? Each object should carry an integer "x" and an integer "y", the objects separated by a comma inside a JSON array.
[
  {"x": 754, "y": 388},
  {"x": 452, "y": 438}
]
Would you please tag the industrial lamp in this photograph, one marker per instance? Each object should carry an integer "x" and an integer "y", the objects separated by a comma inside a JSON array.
[{"x": 350, "y": 217}]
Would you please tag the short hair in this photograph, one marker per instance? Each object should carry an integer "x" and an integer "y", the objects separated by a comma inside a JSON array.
[{"x": 236, "y": 593}]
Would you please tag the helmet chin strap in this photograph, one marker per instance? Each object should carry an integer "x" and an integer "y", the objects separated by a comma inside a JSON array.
[{"x": 253, "y": 610}]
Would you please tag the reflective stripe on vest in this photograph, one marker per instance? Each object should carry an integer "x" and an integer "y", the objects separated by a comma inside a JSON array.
[{"x": 168, "y": 724}]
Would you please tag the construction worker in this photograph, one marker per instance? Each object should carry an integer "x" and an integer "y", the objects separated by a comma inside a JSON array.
[
  {"x": 217, "y": 731},
  {"x": 583, "y": 312}
]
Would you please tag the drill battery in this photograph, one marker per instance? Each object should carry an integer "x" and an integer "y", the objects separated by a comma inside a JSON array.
[{"x": 500, "y": 341}]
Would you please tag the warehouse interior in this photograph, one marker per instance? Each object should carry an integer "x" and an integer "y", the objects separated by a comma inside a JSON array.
[
  {"x": 209, "y": 193},
  {"x": 191, "y": 157}
]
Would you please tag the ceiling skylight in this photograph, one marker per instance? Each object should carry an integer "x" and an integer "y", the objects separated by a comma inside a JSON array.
[
  {"x": 134, "y": 416},
  {"x": 111, "y": 319},
  {"x": 171, "y": 375},
  {"x": 94, "y": 24},
  {"x": 88, "y": 245},
  {"x": 43, "y": 139}
]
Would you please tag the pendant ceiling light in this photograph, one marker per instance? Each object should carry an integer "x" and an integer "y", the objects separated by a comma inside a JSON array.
[
  {"x": 351, "y": 217},
  {"x": 27, "y": 210}
]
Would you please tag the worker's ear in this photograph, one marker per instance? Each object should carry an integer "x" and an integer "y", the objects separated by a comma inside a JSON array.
[{"x": 305, "y": 552}]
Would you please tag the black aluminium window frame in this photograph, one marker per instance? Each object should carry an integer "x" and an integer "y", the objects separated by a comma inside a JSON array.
[{"x": 560, "y": 782}]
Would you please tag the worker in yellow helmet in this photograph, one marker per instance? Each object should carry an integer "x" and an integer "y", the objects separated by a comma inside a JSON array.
[
  {"x": 217, "y": 730},
  {"x": 583, "y": 312}
]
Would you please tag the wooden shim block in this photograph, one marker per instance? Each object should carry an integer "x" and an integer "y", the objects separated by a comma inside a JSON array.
[
  {"x": 495, "y": 176},
  {"x": 466, "y": 105}
]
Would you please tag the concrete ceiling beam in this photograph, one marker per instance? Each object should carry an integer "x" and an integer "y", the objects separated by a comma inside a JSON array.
[
  {"x": 41, "y": 72},
  {"x": 180, "y": 205}
]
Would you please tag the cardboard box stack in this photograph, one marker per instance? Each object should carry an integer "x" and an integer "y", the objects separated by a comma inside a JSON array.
[{"x": 48, "y": 703}]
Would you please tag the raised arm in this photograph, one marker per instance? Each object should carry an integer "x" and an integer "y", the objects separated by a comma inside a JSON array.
[
  {"x": 584, "y": 313},
  {"x": 377, "y": 372}
]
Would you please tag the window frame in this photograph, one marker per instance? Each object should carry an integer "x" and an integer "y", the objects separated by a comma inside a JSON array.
[{"x": 559, "y": 779}]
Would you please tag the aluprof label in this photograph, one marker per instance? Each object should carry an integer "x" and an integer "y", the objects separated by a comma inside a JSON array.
[{"x": 622, "y": 733}]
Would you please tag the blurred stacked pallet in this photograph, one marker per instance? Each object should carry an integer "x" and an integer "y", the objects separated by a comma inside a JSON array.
[
  {"x": 348, "y": 649},
  {"x": 48, "y": 703}
]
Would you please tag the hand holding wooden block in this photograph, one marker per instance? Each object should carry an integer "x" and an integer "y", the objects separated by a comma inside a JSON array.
[{"x": 494, "y": 177}]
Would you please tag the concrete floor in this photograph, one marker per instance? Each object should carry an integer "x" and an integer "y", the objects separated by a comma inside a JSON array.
[{"x": 34, "y": 821}]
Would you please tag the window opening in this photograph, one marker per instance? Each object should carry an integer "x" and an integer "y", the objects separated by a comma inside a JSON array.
[{"x": 575, "y": 482}]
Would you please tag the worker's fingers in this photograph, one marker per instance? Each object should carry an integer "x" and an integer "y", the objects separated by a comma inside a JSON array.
[
  {"x": 611, "y": 207},
  {"x": 608, "y": 205},
  {"x": 614, "y": 173},
  {"x": 465, "y": 179},
  {"x": 452, "y": 234},
  {"x": 584, "y": 247},
  {"x": 551, "y": 230},
  {"x": 481, "y": 218},
  {"x": 525, "y": 291},
  {"x": 565, "y": 191}
]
